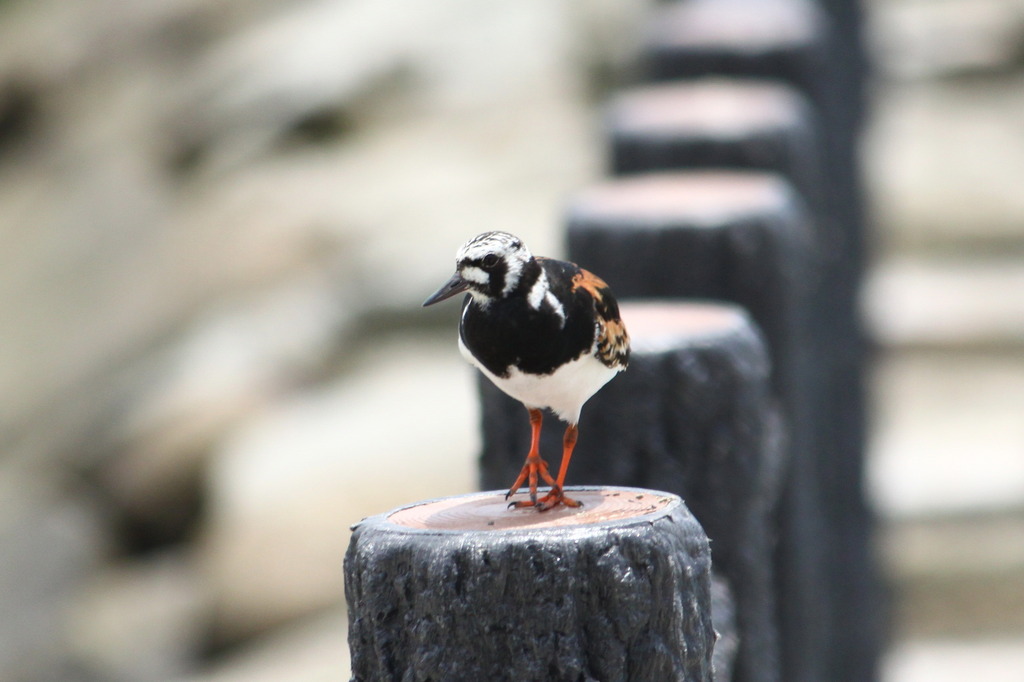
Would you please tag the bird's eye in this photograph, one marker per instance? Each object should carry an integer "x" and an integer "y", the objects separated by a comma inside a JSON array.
[{"x": 490, "y": 260}]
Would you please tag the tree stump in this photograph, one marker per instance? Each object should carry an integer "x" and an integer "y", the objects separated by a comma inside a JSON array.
[
  {"x": 737, "y": 237},
  {"x": 464, "y": 589},
  {"x": 693, "y": 415}
]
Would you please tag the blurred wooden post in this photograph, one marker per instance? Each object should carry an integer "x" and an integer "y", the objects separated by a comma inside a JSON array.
[
  {"x": 790, "y": 42},
  {"x": 463, "y": 588},
  {"x": 714, "y": 123},
  {"x": 739, "y": 237},
  {"x": 859, "y": 593},
  {"x": 784, "y": 40},
  {"x": 766, "y": 125},
  {"x": 816, "y": 48},
  {"x": 693, "y": 415}
]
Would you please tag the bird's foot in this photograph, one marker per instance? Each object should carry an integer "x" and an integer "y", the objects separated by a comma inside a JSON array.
[
  {"x": 556, "y": 496},
  {"x": 534, "y": 468}
]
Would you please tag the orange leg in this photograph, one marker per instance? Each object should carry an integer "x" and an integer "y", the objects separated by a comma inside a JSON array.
[
  {"x": 557, "y": 496},
  {"x": 534, "y": 466}
]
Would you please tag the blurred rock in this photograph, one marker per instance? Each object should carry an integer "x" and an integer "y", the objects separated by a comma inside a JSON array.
[
  {"x": 315, "y": 650},
  {"x": 141, "y": 622},
  {"x": 947, "y": 302},
  {"x": 943, "y": 157},
  {"x": 948, "y": 433},
  {"x": 958, "y": 575},
  {"x": 235, "y": 361},
  {"x": 283, "y": 492},
  {"x": 925, "y": 547},
  {"x": 312, "y": 59},
  {"x": 370, "y": 63},
  {"x": 993, "y": 659},
  {"x": 920, "y": 39},
  {"x": 50, "y": 542}
]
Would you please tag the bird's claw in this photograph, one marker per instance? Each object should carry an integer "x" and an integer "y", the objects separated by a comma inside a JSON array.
[
  {"x": 554, "y": 497},
  {"x": 535, "y": 468}
]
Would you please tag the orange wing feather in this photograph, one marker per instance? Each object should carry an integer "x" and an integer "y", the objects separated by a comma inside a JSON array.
[{"x": 612, "y": 338}]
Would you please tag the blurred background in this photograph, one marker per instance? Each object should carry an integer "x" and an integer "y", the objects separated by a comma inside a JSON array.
[{"x": 219, "y": 219}]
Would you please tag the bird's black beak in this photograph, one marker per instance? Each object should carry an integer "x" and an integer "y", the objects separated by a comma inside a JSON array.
[{"x": 456, "y": 285}]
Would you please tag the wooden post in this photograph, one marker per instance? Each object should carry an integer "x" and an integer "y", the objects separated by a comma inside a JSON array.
[
  {"x": 792, "y": 42},
  {"x": 717, "y": 124},
  {"x": 784, "y": 40},
  {"x": 741, "y": 237},
  {"x": 861, "y": 607},
  {"x": 693, "y": 415},
  {"x": 738, "y": 237},
  {"x": 795, "y": 42},
  {"x": 816, "y": 48},
  {"x": 463, "y": 588}
]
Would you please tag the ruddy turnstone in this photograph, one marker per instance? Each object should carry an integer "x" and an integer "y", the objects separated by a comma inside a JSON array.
[{"x": 545, "y": 331}]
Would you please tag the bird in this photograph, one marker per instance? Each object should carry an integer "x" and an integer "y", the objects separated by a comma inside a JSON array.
[{"x": 546, "y": 332}]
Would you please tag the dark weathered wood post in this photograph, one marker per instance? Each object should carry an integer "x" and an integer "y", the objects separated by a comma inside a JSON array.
[
  {"x": 816, "y": 48},
  {"x": 704, "y": 123},
  {"x": 793, "y": 42},
  {"x": 861, "y": 609},
  {"x": 738, "y": 237},
  {"x": 741, "y": 237},
  {"x": 717, "y": 123},
  {"x": 464, "y": 589},
  {"x": 785, "y": 40},
  {"x": 693, "y": 415}
]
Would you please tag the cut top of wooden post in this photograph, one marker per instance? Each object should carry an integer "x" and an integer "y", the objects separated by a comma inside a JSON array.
[
  {"x": 488, "y": 511},
  {"x": 716, "y": 123},
  {"x": 743, "y": 25},
  {"x": 714, "y": 105},
  {"x": 693, "y": 197},
  {"x": 657, "y": 327}
]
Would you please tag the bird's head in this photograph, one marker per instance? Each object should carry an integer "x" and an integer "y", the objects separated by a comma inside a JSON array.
[{"x": 488, "y": 266}]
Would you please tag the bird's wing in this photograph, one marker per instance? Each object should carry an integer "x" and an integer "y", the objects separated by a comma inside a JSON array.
[{"x": 612, "y": 338}]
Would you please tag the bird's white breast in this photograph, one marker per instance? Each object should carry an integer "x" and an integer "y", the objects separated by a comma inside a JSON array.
[{"x": 564, "y": 390}]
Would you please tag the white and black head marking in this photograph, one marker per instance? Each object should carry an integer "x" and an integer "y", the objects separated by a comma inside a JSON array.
[
  {"x": 488, "y": 266},
  {"x": 492, "y": 263}
]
